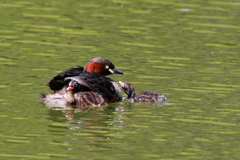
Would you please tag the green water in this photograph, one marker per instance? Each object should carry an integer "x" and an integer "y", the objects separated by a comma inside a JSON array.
[{"x": 187, "y": 50}]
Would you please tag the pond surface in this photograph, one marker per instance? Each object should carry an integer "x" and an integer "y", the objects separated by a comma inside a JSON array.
[{"x": 188, "y": 50}]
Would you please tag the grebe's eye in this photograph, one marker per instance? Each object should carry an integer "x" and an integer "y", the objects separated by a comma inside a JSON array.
[{"x": 110, "y": 70}]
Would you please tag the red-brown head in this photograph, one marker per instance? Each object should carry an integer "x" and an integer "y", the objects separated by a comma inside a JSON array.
[
  {"x": 102, "y": 66},
  {"x": 128, "y": 89}
]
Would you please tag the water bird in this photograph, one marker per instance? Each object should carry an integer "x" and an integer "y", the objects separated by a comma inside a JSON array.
[
  {"x": 82, "y": 85},
  {"x": 71, "y": 96},
  {"x": 143, "y": 97},
  {"x": 99, "y": 65}
]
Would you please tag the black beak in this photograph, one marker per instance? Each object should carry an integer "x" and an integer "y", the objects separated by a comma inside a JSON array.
[{"x": 116, "y": 71}]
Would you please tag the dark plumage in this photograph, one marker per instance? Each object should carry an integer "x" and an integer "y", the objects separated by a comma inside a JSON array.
[
  {"x": 97, "y": 83},
  {"x": 57, "y": 82}
]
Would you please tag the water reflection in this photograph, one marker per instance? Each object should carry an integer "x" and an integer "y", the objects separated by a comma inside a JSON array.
[
  {"x": 98, "y": 125},
  {"x": 94, "y": 114},
  {"x": 90, "y": 127}
]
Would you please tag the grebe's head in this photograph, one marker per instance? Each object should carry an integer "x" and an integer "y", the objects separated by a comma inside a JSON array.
[
  {"x": 74, "y": 86},
  {"x": 102, "y": 66},
  {"x": 128, "y": 89}
]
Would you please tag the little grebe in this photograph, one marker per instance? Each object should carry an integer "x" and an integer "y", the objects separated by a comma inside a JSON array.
[
  {"x": 143, "y": 97},
  {"x": 82, "y": 85},
  {"x": 72, "y": 96},
  {"x": 99, "y": 65}
]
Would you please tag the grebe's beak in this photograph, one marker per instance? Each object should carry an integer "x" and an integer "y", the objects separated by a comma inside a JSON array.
[
  {"x": 69, "y": 88},
  {"x": 117, "y": 71}
]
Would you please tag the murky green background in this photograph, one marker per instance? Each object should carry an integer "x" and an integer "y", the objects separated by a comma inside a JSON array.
[{"x": 187, "y": 50}]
